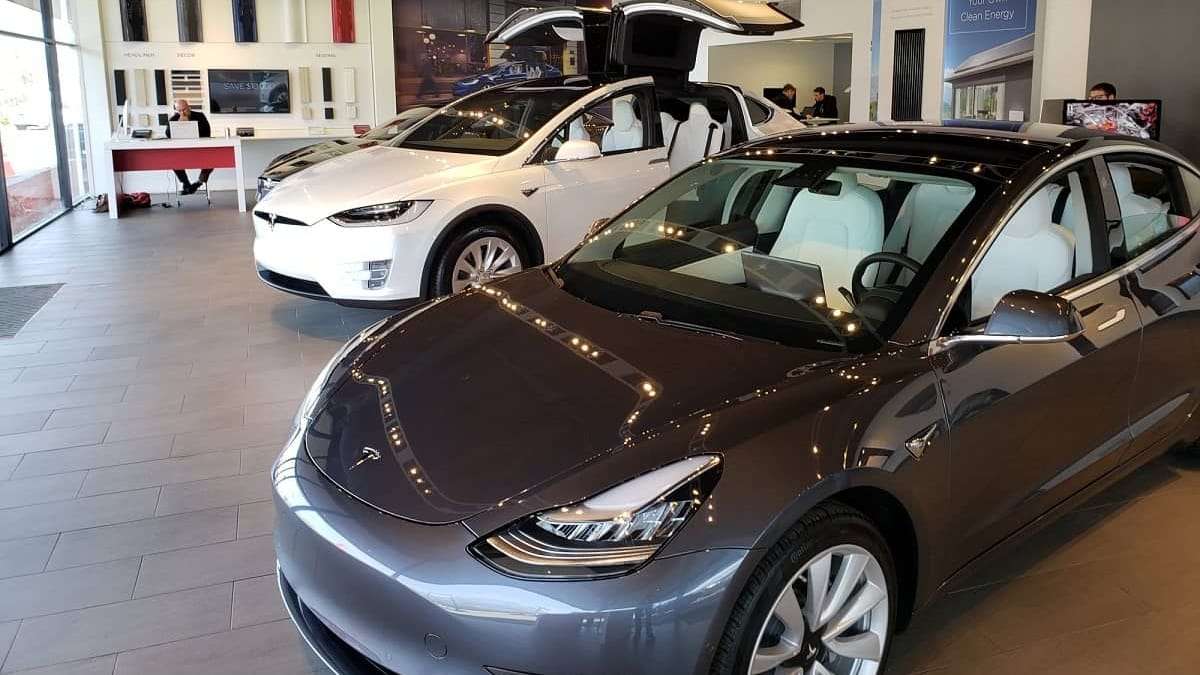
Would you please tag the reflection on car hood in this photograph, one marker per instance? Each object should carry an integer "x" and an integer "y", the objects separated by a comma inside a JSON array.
[
  {"x": 486, "y": 396},
  {"x": 311, "y": 155},
  {"x": 375, "y": 175}
]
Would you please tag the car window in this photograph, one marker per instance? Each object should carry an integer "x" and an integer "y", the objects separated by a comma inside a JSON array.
[
  {"x": 615, "y": 124},
  {"x": 759, "y": 113},
  {"x": 1154, "y": 201},
  {"x": 1044, "y": 246},
  {"x": 770, "y": 249}
]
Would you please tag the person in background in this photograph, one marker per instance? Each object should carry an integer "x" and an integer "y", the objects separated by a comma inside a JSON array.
[
  {"x": 824, "y": 105},
  {"x": 787, "y": 100},
  {"x": 184, "y": 113},
  {"x": 1102, "y": 91}
]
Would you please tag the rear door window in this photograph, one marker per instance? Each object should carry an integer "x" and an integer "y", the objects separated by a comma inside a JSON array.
[{"x": 1155, "y": 201}]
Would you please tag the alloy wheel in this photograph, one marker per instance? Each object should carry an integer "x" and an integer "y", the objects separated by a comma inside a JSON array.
[
  {"x": 830, "y": 619},
  {"x": 483, "y": 260}
]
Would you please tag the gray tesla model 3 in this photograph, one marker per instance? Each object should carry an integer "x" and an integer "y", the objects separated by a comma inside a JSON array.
[{"x": 758, "y": 418}]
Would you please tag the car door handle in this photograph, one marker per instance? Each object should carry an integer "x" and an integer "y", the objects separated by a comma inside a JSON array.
[
  {"x": 1117, "y": 318},
  {"x": 660, "y": 160}
]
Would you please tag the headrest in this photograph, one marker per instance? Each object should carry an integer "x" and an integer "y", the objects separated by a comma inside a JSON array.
[
  {"x": 578, "y": 132},
  {"x": 623, "y": 117},
  {"x": 1035, "y": 217},
  {"x": 848, "y": 180},
  {"x": 1122, "y": 180},
  {"x": 698, "y": 114}
]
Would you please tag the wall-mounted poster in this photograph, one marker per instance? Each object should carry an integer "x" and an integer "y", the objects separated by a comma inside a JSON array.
[
  {"x": 989, "y": 59},
  {"x": 440, "y": 54}
]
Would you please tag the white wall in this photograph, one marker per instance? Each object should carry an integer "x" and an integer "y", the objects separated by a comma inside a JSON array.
[
  {"x": 821, "y": 18},
  {"x": 1060, "y": 61},
  {"x": 905, "y": 15},
  {"x": 773, "y": 64}
]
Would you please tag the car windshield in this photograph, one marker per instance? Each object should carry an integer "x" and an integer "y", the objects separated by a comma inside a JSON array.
[
  {"x": 772, "y": 250},
  {"x": 386, "y": 132},
  {"x": 495, "y": 121}
]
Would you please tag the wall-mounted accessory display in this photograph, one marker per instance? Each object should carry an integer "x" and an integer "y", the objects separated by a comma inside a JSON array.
[
  {"x": 160, "y": 87},
  {"x": 249, "y": 91},
  {"x": 295, "y": 21},
  {"x": 139, "y": 87},
  {"x": 245, "y": 132},
  {"x": 343, "y": 20},
  {"x": 119, "y": 93},
  {"x": 329, "y": 113},
  {"x": 305, "y": 85},
  {"x": 163, "y": 119},
  {"x": 188, "y": 85},
  {"x": 327, "y": 85},
  {"x": 133, "y": 20},
  {"x": 348, "y": 85},
  {"x": 245, "y": 21},
  {"x": 352, "y": 111},
  {"x": 190, "y": 25}
]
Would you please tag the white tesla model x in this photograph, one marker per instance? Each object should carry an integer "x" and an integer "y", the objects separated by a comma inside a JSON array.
[{"x": 512, "y": 176}]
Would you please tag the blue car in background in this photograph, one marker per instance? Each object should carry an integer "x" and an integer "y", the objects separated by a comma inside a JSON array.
[{"x": 502, "y": 73}]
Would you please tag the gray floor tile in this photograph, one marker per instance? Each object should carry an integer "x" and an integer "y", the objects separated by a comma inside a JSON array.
[
  {"x": 40, "y": 489},
  {"x": 51, "y": 358},
  {"x": 93, "y": 456},
  {"x": 268, "y": 649},
  {"x": 52, "y": 386},
  {"x": 279, "y": 412},
  {"x": 131, "y": 377},
  {"x": 150, "y": 535},
  {"x": 63, "y": 590},
  {"x": 21, "y": 423},
  {"x": 257, "y": 601},
  {"x": 73, "y": 417},
  {"x": 102, "y": 665},
  {"x": 25, "y": 556},
  {"x": 8, "y": 631},
  {"x": 36, "y": 441},
  {"x": 120, "y": 627},
  {"x": 257, "y": 518},
  {"x": 8, "y": 465},
  {"x": 246, "y": 436},
  {"x": 258, "y": 459},
  {"x": 76, "y": 514},
  {"x": 205, "y": 565},
  {"x": 66, "y": 399},
  {"x": 9, "y": 347},
  {"x": 213, "y": 493},
  {"x": 222, "y": 418},
  {"x": 161, "y": 472},
  {"x": 81, "y": 368}
]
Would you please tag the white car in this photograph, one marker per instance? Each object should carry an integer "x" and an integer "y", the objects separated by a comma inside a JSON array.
[{"x": 514, "y": 175}]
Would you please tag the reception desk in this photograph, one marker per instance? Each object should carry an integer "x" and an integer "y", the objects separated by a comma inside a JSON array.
[{"x": 170, "y": 154}]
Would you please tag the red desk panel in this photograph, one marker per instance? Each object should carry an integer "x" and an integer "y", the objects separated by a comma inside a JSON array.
[{"x": 166, "y": 159}]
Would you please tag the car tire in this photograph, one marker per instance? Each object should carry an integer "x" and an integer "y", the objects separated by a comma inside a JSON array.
[
  {"x": 792, "y": 562},
  {"x": 469, "y": 244}
]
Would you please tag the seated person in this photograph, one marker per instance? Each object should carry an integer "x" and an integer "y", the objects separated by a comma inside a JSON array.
[{"x": 184, "y": 113}]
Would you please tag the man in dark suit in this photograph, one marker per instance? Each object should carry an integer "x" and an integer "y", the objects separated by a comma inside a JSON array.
[
  {"x": 824, "y": 105},
  {"x": 184, "y": 113}
]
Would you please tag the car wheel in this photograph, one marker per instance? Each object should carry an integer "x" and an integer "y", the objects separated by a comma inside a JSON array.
[
  {"x": 476, "y": 256},
  {"x": 822, "y": 602}
]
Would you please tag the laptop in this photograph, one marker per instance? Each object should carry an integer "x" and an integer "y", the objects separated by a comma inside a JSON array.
[{"x": 184, "y": 129}]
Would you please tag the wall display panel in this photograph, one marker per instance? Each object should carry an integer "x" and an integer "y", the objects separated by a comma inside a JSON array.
[
  {"x": 133, "y": 20},
  {"x": 139, "y": 87},
  {"x": 343, "y": 20},
  {"x": 329, "y": 113},
  {"x": 988, "y": 60},
  {"x": 908, "y": 74},
  {"x": 163, "y": 119},
  {"x": 120, "y": 92},
  {"x": 348, "y": 90},
  {"x": 295, "y": 21},
  {"x": 304, "y": 84},
  {"x": 188, "y": 85},
  {"x": 189, "y": 18},
  {"x": 160, "y": 87},
  {"x": 245, "y": 21},
  {"x": 327, "y": 85}
]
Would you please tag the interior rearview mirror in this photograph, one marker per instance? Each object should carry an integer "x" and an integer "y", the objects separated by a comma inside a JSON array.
[
  {"x": 574, "y": 151},
  {"x": 1030, "y": 316}
]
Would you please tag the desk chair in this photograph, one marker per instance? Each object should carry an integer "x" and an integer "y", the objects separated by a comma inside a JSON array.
[{"x": 174, "y": 191}]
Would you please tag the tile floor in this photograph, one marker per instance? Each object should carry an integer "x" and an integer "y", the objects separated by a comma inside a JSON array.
[{"x": 141, "y": 408}]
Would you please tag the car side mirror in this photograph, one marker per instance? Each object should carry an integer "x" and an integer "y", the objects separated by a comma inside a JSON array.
[
  {"x": 574, "y": 151},
  {"x": 1024, "y": 317}
]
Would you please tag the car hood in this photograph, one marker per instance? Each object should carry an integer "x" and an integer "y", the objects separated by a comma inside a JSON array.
[
  {"x": 492, "y": 393},
  {"x": 297, "y": 160},
  {"x": 376, "y": 175}
]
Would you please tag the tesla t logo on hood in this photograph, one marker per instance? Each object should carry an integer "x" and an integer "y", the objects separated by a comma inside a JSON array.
[{"x": 369, "y": 454}]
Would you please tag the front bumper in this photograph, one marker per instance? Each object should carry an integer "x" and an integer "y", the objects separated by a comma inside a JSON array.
[
  {"x": 390, "y": 594},
  {"x": 326, "y": 261}
]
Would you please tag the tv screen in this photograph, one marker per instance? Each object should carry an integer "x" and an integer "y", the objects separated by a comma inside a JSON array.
[
  {"x": 248, "y": 91},
  {"x": 1137, "y": 118}
]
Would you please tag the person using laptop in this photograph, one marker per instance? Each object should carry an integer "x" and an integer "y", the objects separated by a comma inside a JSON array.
[
  {"x": 184, "y": 113},
  {"x": 824, "y": 105}
]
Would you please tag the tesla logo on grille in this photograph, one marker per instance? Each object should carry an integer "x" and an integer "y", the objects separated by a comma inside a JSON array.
[
  {"x": 369, "y": 454},
  {"x": 271, "y": 220}
]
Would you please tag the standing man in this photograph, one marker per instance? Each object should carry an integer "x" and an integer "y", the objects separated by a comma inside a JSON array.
[
  {"x": 184, "y": 113},
  {"x": 824, "y": 105},
  {"x": 1102, "y": 91}
]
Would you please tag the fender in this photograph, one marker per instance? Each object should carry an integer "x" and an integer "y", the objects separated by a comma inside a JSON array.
[{"x": 527, "y": 231}]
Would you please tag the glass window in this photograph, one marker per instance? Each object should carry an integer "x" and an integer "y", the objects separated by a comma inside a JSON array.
[
  {"x": 74, "y": 115},
  {"x": 614, "y": 124},
  {"x": 759, "y": 113},
  {"x": 1045, "y": 246},
  {"x": 771, "y": 250},
  {"x": 23, "y": 17},
  {"x": 27, "y": 135},
  {"x": 64, "y": 20},
  {"x": 1154, "y": 204}
]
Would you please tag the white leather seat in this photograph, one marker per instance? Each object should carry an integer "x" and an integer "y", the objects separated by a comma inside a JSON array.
[
  {"x": 1075, "y": 220},
  {"x": 833, "y": 232},
  {"x": 928, "y": 211},
  {"x": 626, "y": 131},
  {"x": 1031, "y": 253},
  {"x": 695, "y": 139},
  {"x": 1142, "y": 218},
  {"x": 669, "y": 123},
  {"x": 578, "y": 132}
]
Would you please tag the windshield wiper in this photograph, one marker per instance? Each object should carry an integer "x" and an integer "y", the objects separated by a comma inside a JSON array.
[{"x": 656, "y": 317}]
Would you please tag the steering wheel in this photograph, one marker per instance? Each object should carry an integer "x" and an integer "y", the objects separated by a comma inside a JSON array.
[{"x": 879, "y": 299}]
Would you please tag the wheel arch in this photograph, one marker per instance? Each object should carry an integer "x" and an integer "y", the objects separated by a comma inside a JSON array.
[{"x": 505, "y": 216}]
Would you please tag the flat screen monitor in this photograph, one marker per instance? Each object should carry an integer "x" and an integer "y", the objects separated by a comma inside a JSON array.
[
  {"x": 1140, "y": 118},
  {"x": 248, "y": 91}
]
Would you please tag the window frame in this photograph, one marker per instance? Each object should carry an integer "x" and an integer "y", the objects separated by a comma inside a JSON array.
[{"x": 652, "y": 137}]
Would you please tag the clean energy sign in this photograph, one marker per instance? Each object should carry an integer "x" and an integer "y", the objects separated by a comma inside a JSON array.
[{"x": 986, "y": 16}]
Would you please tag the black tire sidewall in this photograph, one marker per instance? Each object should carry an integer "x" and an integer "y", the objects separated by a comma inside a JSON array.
[
  {"x": 441, "y": 282},
  {"x": 838, "y": 530}
]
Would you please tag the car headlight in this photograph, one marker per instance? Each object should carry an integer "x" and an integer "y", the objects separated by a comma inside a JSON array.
[
  {"x": 305, "y": 413},
  {"x": 609, "y": 534},
  {"x": 394, "y": 213}
]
